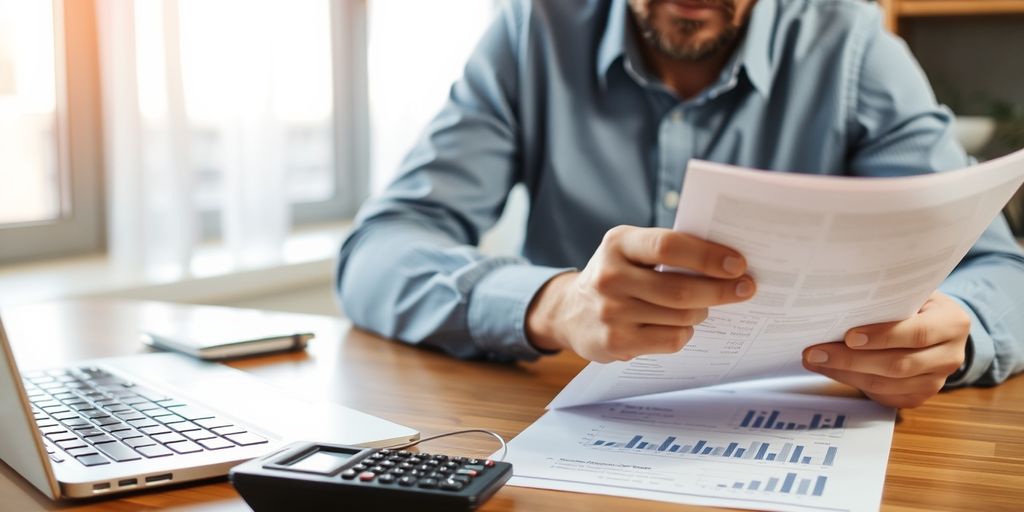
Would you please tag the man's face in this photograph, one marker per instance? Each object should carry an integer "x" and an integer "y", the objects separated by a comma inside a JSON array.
[{"x": 691, "y": 29}]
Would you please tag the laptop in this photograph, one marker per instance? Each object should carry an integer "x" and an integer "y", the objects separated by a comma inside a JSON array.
[{"x": 122, "y": 424}]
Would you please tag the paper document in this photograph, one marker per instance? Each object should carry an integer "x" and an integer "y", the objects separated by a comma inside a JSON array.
[
  {"x": 722, "y": 448},
  {"x": 828, "y": 254}
]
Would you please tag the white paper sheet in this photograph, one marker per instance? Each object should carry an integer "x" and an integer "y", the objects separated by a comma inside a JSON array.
[
  {"x": 828, "y": 254},
  {"x": 686, "y": 448}
]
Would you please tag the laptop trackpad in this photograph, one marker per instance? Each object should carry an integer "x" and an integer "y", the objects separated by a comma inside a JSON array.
[{"x": 247, "y": 399}]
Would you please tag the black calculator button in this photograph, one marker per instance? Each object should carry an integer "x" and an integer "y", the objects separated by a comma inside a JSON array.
[
  {"x": 451, "y": 485},
  {"x": 428, "y": 483},
  {"x": 440, "y": 457},
  {"x": 385, "y": 451},
  {"x": 386, "y": 479},
  {"x": 425, "y": 467},
  {"x": 407, "y": 481},
  {"x": 472, "y": 461},
  {"x": 458, "y": 459},
  {"x": 435, "y": 474},
  {"x": 406, "y": 465},
  {"x": 349, "y": 474},
  {"x": 463, "y": 479},
  {"x": 386, "y": 463},
  {"x": 359, "y": 467},
  {"x": 403, "y": 454},
  {"x": 451, "y": 465},
  {"x": 445, "y": 470},
  {"x": 376, "y": 456},
  {"x": 415, "y": 473},
  {"x": 432, "y": 462},
  {"x": 366, "y": 476},
  {"x": 378, "y": 469},
  {"x": 398, "y": 471}
]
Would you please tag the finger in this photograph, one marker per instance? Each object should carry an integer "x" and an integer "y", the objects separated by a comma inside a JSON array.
[
  {"x": 928, "y": 384},
  {"x": 657, "y": 246},
  {"x": 660, "y": 339},
  {"x": 895, "y": 363},
  {"x": 937, "y": 322},
  {"x": 641, "y": 312},
  {"x": 681, "y": 291}
]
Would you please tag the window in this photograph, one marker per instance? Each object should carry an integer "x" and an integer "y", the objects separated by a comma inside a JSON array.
[
  {"x": 49, "y": 190},
  {"x": 417, "y": 50}
]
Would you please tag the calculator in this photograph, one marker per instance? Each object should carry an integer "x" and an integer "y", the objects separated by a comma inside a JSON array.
[{"x": 317, "y": 476}]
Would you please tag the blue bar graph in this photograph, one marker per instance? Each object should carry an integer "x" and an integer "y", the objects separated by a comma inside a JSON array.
[
  {"x": 773, "y": 451},
  {"x": 775, "y": 420},
  {"x": 814, "y": 486}
]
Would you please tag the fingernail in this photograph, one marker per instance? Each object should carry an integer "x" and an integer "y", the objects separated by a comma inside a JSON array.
[
  {"x": 817, "y": 356},
  {"x": 744, "y": 288},
  {"x": 733, "y": 265},
  {"x": 857, "y": 339}
]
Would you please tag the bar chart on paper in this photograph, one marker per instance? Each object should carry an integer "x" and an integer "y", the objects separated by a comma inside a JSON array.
[{"x": 714, "y": 449}]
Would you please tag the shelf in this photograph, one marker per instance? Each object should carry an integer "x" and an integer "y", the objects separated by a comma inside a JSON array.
[{"x": 897, "y": 9}]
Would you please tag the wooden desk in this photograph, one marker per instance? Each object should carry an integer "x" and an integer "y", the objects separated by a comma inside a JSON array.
[
  {"x": 964, "y": 450},
  {"x": 899, "y": 9}
]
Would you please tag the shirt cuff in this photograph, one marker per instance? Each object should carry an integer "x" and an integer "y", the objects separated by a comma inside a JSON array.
[
  {"x": 497, "y": 309},
  {"x": 980, "y": 353}
]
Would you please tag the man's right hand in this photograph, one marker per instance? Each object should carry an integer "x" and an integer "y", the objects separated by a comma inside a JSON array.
[{"x": 619, "y": 307}]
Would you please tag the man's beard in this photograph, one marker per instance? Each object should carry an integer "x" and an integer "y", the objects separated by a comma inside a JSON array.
[{"x": 691, "y": 51}]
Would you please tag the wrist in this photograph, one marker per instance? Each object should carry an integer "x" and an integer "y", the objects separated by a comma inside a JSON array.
[{"x": 542, "y": 316}]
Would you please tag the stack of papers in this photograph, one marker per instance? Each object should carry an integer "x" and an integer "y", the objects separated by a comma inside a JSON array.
[{"x": 828, "y": 254}]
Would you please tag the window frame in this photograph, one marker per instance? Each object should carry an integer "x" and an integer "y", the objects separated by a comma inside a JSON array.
[{"x": 80, "y": 227}]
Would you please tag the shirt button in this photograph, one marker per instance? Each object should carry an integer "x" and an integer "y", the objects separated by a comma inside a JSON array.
[
  {"x": 671, "y": 199},
  {"x": 677, "y": 116}
]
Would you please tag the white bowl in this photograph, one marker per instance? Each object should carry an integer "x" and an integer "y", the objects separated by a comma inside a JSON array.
[{"x": 974, "y": 132}]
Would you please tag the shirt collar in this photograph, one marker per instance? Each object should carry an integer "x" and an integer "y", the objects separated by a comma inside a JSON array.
[{"x": 754, "y": 53}]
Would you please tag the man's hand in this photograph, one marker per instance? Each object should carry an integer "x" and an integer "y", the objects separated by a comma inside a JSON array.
[
  {"x": 619, "y": 307},
  {"x": 899, "y": 364}
]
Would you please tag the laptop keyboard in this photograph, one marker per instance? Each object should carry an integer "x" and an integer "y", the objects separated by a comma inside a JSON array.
[{"x": 95, "y": 418}]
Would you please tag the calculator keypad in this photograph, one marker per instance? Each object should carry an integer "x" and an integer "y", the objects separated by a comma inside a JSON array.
[{"x": 422, "y": 470}]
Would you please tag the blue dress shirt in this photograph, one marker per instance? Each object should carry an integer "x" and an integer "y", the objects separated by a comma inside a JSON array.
[{"x": 556, "y": 97}]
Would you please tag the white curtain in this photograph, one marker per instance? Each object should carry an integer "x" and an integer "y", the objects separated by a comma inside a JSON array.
[{"x": 153, "y": 110}]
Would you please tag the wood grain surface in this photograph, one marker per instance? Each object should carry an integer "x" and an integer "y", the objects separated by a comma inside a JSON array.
[{"x": 963, "y": 450}]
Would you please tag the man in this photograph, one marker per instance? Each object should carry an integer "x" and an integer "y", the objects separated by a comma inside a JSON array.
[{"x": 596, "y": 106}]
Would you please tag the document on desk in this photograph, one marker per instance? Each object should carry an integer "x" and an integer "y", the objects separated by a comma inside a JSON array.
[
  {"x": 760, "y": 450},
  {"x": 828, "y": 253}
]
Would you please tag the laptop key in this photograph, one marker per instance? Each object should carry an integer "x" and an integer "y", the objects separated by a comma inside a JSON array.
[
  {"x": 61, "y": 436},
  {"x": 199, "y": 435},
  {"x": 117, "y": 451},
  {"x": 77, "y": 423},
  {"x": 191, "y": 413},
  {"x": 138, "y": 442},
  {"x": 154, "y": 451},
  {"x": 154, "y": 429},
  {"x": 230, "y": 429},
  {"x": 183, "y": 426},
  {"x": 106, "y": 421},
  {"x": 185, "y": 447},
  {"x": 92, "y": 460},
  {"x": 66, "y": 416},
  {"x": 246, "y": 439},
  {"x": 102, "y": 438},
  {"x": 67, "y": 444},
  {"x": 56, "y": 458},
  {"x": 84, "y": 450},
  {"x": 125, "y": 434},
  {"x": 91, "y": 431},
  {"x": 142, "y": 423},
  {"x": 117, "y": 427},
  {"x": 52, "y": 429},
  {"x": 130, "y": 416},
  {"x": 213, "y": 423},
  {"x": 169, "y": 437},
  {"x": 215, "y": 443}
]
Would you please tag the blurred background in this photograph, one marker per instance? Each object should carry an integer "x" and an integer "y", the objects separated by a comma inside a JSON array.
[{"x": 215, "y": 151}]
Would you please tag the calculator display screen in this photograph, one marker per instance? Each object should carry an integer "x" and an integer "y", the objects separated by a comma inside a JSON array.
[{"x": 322, "y": 462}]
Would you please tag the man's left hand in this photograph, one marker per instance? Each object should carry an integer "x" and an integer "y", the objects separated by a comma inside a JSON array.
[{"x": 899, "y": 364}]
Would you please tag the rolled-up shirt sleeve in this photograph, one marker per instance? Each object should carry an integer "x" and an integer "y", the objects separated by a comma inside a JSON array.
[
  {"x": 900, "y": 129},
  {"x": 411, "y": 270}
]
